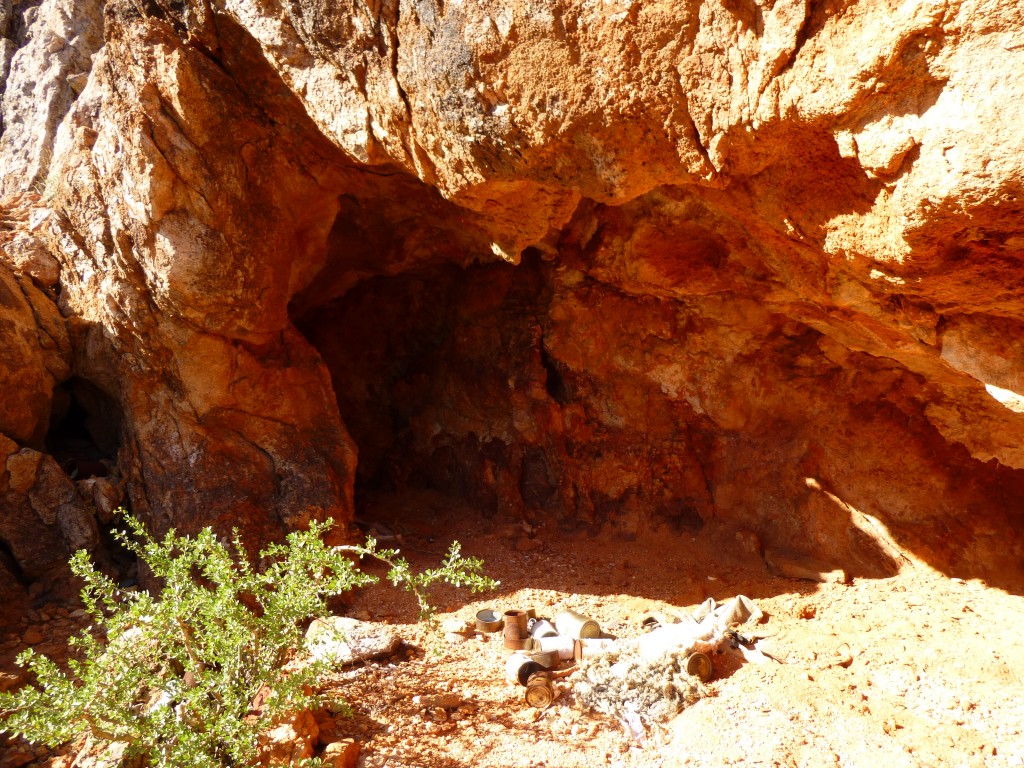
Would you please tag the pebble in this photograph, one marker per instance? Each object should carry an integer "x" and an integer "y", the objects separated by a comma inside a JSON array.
[
  {"x": 440, "y": 700},
  {"x": 32, "y": 636},
  {"x": 524, "y": 544},
  {"x": 341, "y": 754},
  {"x": 12, "y": 680},
  {"x": 18, "y": 758}
]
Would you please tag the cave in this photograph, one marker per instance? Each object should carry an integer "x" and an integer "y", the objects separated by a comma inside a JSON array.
[
  {"x": 565, "y": 391},
  {"x": 85, "y": 429},
  {"x": 646, "y": 303}
]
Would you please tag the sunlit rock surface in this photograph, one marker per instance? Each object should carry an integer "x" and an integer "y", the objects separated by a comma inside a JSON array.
[{"x": 622, "y": 264}]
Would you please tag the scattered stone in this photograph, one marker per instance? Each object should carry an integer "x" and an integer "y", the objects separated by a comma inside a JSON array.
[
  {"x": 346, "y": 640},
  {"x": 332, "y": 729},
  {"x": 341, "y": 754},
  {"x": 32, "y": 636},
  {"x": 10, "y": 681},
  {"x": 442, "y": 700},
  {"x": 804, "y": 568},
  {"x": 289, "y": 742},
  {"x": 457, "y": 626},
  {"x": 807, "y": 612}
]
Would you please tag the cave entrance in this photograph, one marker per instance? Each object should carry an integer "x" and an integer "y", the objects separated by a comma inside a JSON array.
[
  {"x": 415, "y": 361},
  {"x": 85, "y": 430},
  {"x": 455, "y": 381}
]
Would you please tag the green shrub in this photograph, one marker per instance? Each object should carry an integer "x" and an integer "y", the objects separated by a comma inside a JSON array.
[{"x": 175, "y": 676}]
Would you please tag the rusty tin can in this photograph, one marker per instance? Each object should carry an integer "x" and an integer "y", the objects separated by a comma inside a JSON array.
[
  {"x": 699, "y": 665},
  {"x": 540, "y": 691},
  {"x": 516, "y": 637},
  {"x": 488, "y": 620},
  {"x": 576, "y": 625},
  {"x": 546, "y": 659},
  {"x": 519, "y": 667},
  {"x": 518, "y": 644},
  {"x": 516, "y": 623}
]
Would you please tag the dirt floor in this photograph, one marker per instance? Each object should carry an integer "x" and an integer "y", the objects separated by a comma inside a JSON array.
[{"x": 915, "y": 670}]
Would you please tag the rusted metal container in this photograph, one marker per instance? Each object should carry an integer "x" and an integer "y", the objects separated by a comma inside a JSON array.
[
  {"x": 540, "y": 691},
  {"x": 515, "y": 634},
  {"x": 699, "y": 665},
  {"x": 576, "y": 625},
  {"x": 516, "y": 623},
  {"x": 488, "y": 620},
  {"x": 518, "y": 644},
  {"x": 519, "y": 667}
]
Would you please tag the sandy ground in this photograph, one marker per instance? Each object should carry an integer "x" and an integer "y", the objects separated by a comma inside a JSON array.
[{"x": 914, "y": 670}]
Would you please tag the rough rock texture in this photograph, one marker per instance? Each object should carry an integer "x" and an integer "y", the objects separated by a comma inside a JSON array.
[
  {"x": 620, "y": 263},
  {"x": 43, "y": 519},
  {"x": 45, "y": 56}
]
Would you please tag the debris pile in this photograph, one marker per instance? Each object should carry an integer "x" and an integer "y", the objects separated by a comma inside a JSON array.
[
  {"x": 622, "y": 684},
  {"x": 654, "y": 677}
]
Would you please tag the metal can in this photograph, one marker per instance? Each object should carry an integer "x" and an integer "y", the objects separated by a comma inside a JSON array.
[
  {"x": 560, "y": 644},
  {"x": 488, "y": 620},
  {"x": 518, "y": 644},
  {"x": 516, "y": 623},
  {"x": 515, "y": 629},
  {"x": 589, "y": 647},
  {"x": 699, "y": 665},
  {"x": 519, "y": 667},
  {"x": 542, "y": 628},
  {"x": 540, "y": 691},
  {"x": 546, "y": 659},
  {"x": 576, "y": 625}
]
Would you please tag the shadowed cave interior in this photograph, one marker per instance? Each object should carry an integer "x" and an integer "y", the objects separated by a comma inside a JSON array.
[{"x": 545, "y": 391}]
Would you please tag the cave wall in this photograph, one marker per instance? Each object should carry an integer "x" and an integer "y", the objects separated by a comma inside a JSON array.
[{"x": 624, "y": 264}]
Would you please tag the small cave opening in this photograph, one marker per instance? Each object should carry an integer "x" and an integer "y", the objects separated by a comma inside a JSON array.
[
  {"x": 85, "y": 430},
  {"x": 554, "y": 383},
  {"x": 9, "y": 564}
]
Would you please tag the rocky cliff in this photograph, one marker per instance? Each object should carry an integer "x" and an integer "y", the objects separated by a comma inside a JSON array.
[{"x": 624, "y": 264}]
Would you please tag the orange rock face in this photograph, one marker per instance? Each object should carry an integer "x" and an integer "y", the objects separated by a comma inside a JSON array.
[{"x": 629, "y": 264}]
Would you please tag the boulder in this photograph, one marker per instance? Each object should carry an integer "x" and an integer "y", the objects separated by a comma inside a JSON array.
[{"x": 343, "y": 640}]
